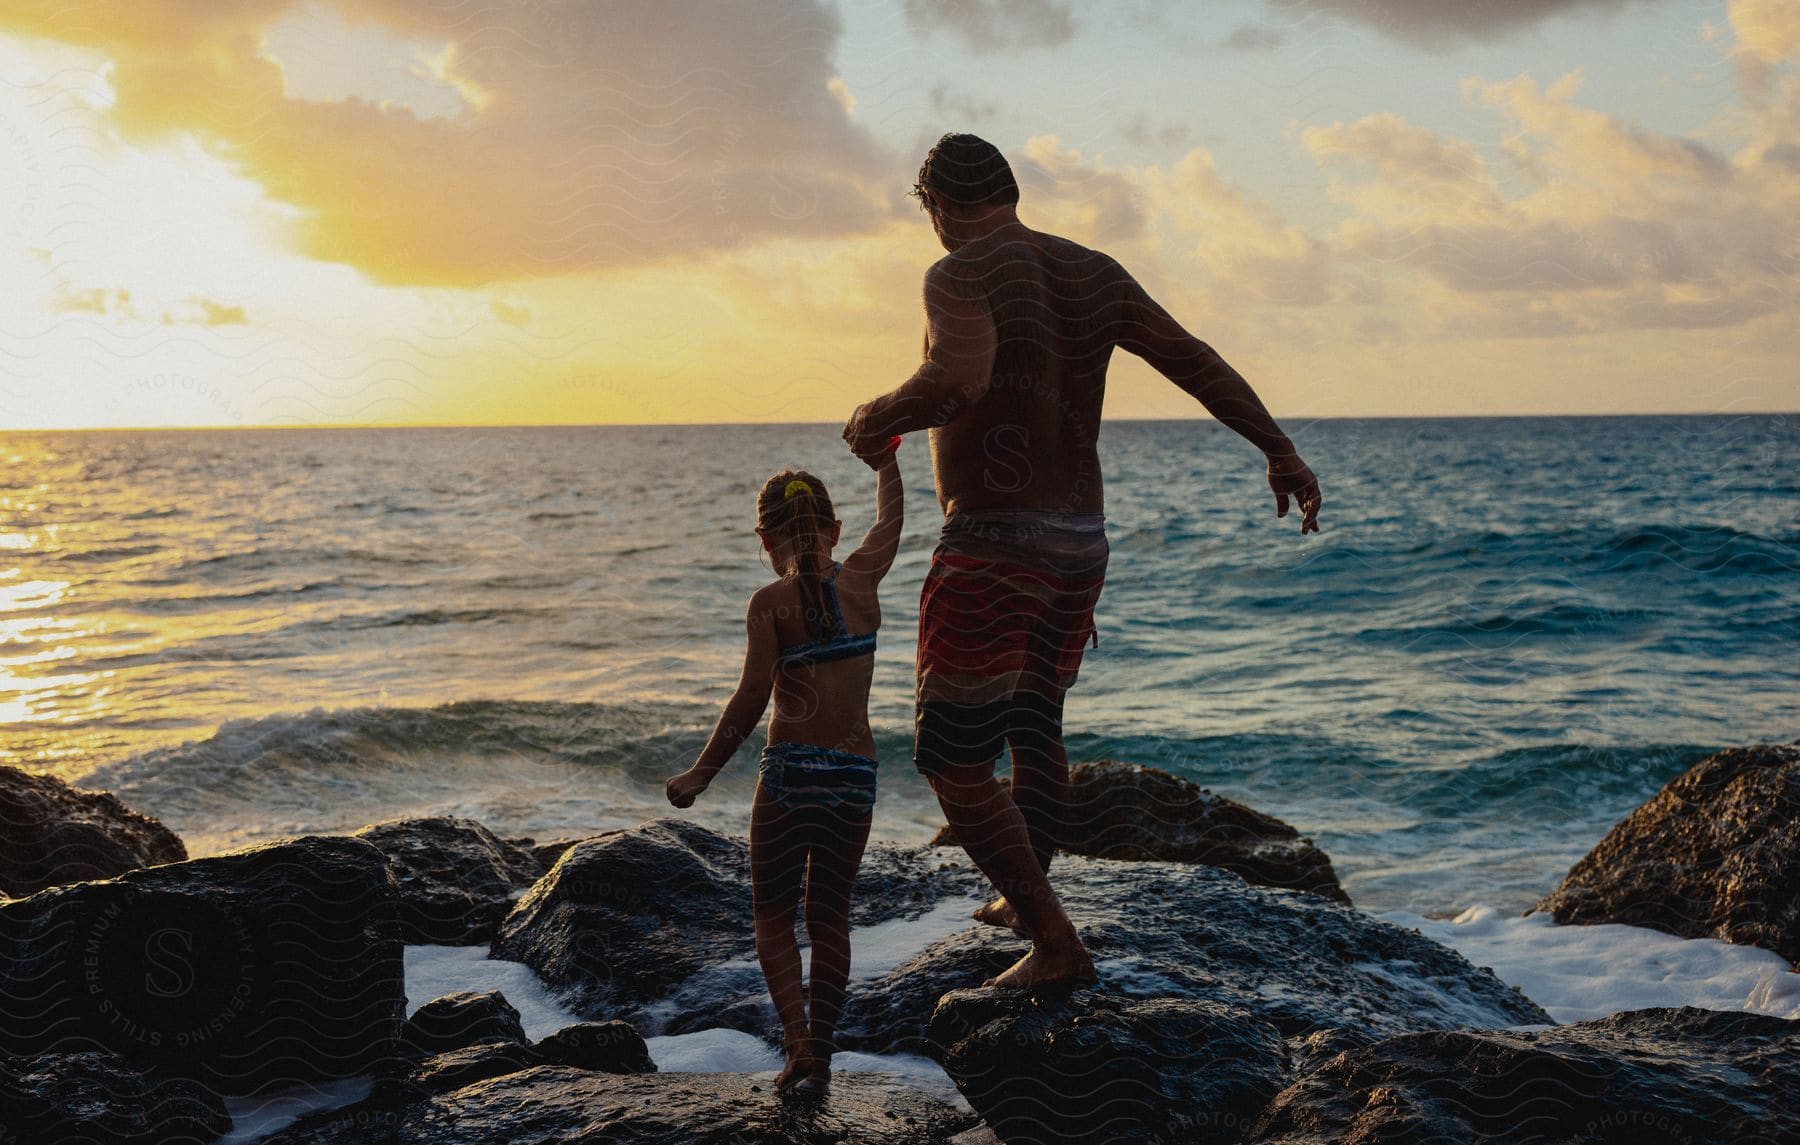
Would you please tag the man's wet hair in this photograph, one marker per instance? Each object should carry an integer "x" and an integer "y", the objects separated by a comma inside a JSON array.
[{"x": 969, "y": 171}]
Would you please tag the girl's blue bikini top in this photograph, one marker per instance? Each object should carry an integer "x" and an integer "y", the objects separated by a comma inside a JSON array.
[{"x": 842, "y": 646}]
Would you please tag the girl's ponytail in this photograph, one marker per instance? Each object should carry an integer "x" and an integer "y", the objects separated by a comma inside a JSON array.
[{"x": 794, "y": 507}]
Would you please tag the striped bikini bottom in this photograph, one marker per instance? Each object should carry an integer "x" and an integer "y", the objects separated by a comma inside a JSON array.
[{"x": 802, "y": 775}]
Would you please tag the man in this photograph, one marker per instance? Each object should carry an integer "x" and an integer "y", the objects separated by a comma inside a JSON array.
[{"x": 1019, "y": 328}]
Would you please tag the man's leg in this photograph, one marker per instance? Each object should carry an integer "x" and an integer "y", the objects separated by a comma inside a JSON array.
[
  {"x": 1040, "y": 780},
  {"x": 1040, "y": 771},
  {"x": 1040, "y": 765},
  {"x": 990, "y": 828}
]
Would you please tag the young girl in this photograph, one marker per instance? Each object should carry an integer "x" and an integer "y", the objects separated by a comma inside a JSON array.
[{"x": 811, "y": 643}]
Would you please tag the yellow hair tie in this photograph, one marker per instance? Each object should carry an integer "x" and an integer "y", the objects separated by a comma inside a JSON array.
[{"x": 795, "y": 488}]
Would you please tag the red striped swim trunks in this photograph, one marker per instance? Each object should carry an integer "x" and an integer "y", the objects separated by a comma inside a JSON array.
[{"x": 1005, "y": 615}]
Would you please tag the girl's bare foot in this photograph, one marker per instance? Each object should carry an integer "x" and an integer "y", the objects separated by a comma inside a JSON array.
[
  {"x": 1001, "y": 913},
  {"x": 817, "y": 1082},
  {"x": 797, "y": 1068}
]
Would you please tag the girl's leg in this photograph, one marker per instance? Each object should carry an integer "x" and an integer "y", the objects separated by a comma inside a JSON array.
[
  {"x": 831, "y": 876},
  {"x": 777, "y": 861}
]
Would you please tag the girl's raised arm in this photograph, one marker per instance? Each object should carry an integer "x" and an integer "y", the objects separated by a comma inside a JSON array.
[
  {"x": 875, "y": 555},
  {"x": 742, "y": 712}
]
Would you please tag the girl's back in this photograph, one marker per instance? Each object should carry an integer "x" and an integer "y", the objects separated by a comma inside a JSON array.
[{"x": 825, "y": 704}]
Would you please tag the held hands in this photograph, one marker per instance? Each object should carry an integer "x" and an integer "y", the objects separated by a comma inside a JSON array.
[
  {"x": 888, "y": 455},
  {"x": 683, "y": 789},
  {"x": 872, "y": 449},
  {"x": 1289, "y": 477}
]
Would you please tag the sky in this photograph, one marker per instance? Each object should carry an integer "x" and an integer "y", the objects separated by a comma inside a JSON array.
[{"x": 323, "y": 212}]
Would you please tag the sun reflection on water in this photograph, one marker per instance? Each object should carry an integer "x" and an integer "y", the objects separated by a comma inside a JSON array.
[{"x": 30, "y": 694}]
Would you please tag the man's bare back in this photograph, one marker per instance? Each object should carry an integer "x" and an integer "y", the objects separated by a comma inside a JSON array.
[{"x": 1029, "y": 441}]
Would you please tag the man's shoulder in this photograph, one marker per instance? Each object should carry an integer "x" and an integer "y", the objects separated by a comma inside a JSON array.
[
  {"x": 1068, "y": 250},
  {"x": 975, "y": 260}
]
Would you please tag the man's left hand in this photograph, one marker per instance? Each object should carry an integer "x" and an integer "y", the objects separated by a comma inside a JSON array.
[{"x": 1290, "y": 477}]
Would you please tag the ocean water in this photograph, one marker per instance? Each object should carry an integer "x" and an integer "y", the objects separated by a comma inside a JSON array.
[{"x": 1509, "y": 633}]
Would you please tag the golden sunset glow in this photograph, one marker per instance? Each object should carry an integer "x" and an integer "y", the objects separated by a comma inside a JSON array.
[{"x": 289, "y": 212}]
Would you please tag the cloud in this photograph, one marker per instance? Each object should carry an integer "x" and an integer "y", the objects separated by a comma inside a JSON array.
[
  {"x": 219, "y": 314},
  {"x": 1768, "y": 28},
  {"x": 840, "y": 91},
  {"x": 1137, "y": 130},
  {"x": 1767, "y": 34},
  {"x": 1436, "y": 24},
  {"x": 1247, "y": 252},
  {"x": 947, "y": 104},
  {"x": 1254, "y": 38},
  {"x": 508, "y": 315},
  {"x": 590, "y": 136},
  {"x": 1783, "y": 154},
  {"x": 995, "y": 25},
  {"x": 1619, "y": 227},
  {"x": 96, "y": 300},
  {"x": 1415, "y": 171},
  {"x": 1087, "y": 201}
]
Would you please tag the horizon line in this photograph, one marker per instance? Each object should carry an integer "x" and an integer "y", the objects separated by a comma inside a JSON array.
[{"x": 1293, "y": 419}]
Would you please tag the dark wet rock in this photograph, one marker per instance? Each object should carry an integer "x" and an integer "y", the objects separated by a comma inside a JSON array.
[
  {"x": 457, "y": 879},
  {"x": 275, "y": 965},
  {"x": 52, "y": 834},
  {"x": 102, "y": 1098},
  {"x": 1644, "y": 1077},
  {"x": 1121, "y": 810},
  {"x": 1090, "y": 1067},
  {"x": 1310, "y": 1051},
  {"x": 1716, "y": 853},
  {"x": 465, "y": 1018},
  {"x": 603, "y": 1047},
  {"x": 626, "y": 919},
  {"x": 611, "y": 1047},
  {"x": 550, "y": 1105},
  {"x": 549, "y": 852},
  {"x": 1168, "y": 930},
  {"x": 905, "y": 882},
  {"x": 466, "y": 1065}
]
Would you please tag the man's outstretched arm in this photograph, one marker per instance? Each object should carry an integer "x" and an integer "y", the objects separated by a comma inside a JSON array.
[
  {"x": 960, "y": 344},
  {"x": 1153, "y": 335}
]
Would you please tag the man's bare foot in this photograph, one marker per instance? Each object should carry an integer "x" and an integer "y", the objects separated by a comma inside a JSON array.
[
  {"x": 1048, "y": 966},
  {"x": 1001, "y": 913}
]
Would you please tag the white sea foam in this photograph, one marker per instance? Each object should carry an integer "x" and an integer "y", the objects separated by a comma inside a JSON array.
[
  {"x": 713, "y": 1051},
  {"x": 253, "y": 1118},
  {"x": 433, "y": 971},
  {"x": 888, "y": 945},
  {"x": 1582, "y": 972},
  {"x": 732, "y": 1051}
]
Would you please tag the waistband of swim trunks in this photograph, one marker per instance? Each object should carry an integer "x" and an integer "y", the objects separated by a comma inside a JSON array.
[
  {"x": 784, "y": 749},
  {"x": 1016, "y": 522}
]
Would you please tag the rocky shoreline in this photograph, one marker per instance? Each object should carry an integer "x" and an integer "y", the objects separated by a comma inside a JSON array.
[{"x": 1241, "y": 998}]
